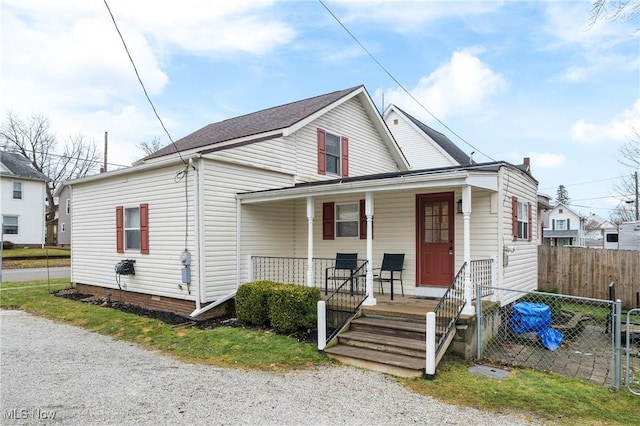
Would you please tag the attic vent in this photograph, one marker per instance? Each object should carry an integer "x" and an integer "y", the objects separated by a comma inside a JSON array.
[
  {"x": 560, "y": 211},
  {"x": 395, "y": 121}
]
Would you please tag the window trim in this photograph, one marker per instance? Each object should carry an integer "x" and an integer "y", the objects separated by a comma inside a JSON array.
[
  {"x": 17, "y": 225},
  {"x": 521, "y": 227},
  {"x": 13, "y": 190},
  {"x": 343, "y": 155},
  {"x": 129, "y": 229},
  {"x": 143, "y": 227},
  {"x": 329, "y": 231},
  {"x": 355, "y": 221}
]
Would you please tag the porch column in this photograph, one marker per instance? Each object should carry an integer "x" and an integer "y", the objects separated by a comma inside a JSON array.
[
  {"x": 368, "y": 211},
  {"x": 310, "y": 214},
  {"x": 469, "y": 309}
]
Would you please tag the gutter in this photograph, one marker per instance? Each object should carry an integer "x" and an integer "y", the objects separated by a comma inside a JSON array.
[{"x": 200, "y": 311}]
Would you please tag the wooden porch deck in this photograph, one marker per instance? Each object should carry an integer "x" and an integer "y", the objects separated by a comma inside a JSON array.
[{"x": 401, "y": 305}]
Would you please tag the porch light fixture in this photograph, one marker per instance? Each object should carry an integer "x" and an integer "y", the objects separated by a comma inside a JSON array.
[{"x": 459, "y": 205}]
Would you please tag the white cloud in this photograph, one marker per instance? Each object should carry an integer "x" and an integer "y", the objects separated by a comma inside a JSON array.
[
  {"x": 618, "y": 129},
  {"x": 67, "y": 62},
  {"x": 461, "y": 86}
]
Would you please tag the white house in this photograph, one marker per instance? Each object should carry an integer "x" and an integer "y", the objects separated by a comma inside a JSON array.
[
  {"x": 23, "y": 201},
  {"x": 294, "y": 185},
  {"x": 566, "y": 227},
  {"x": 63, "y": 221}
]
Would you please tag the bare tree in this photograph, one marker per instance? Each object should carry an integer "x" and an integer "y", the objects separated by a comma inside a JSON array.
[
  {"x": 626, "y": 189},
  {"x": 612, "y": 10},
  {"x": 149, "y": 148},
  {"x": 33, "y": 139}
]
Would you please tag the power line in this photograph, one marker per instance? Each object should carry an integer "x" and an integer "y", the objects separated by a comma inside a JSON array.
[
  {"x": 584, "y": 183},
  {"x": 400, "y": 84},
  {"x": 144, "y": 89}
]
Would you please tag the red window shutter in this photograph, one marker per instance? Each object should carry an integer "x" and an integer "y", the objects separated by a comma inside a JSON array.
[
  {"x": 345, "y": 157},
  {"x": 530, "y": 225},
  {"x": 120, "y": 229},
  {"x": 322, "y": 153},
  {"x": 144, "y": 228},
  {"x": 328, "y": 213},
  {"x": 514, "y": 218}
]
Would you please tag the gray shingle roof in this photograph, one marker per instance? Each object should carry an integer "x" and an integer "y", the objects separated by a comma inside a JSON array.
[
  {"x": 445, "y": 143},
  {"x": 254, "y": 124},
  {"x": 20, "y": 167}
]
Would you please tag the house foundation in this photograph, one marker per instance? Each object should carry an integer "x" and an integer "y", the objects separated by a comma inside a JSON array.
[
  {"x": 465, "y": 341},
  {"x": 157, "y": 303}
]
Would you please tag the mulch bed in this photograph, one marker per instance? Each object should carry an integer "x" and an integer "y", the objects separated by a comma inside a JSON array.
[{"x": 304, "y": 336}]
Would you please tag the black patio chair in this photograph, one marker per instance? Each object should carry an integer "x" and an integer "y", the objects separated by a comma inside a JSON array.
[
  {"x": 391, "y": 263},
  {"x": 344, "y": 269}
]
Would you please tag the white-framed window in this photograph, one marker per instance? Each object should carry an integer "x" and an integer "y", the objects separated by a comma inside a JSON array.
[
  {"x": 347, "y": 220},
  {"x": 523, "y": 221},
  {"x": 561, "y": 224},
  {"x": 132, "y": 228},
  {"x": 10, "y": 225},
  {"x": 67, "y": 206},
  {"x": 17, "y": 190},
  {"x": 332, "y": 153},
  {"x": 63, "y": 227}
]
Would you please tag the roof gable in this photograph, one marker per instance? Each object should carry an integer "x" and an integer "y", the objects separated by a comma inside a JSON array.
[
  {"x": 443, "y": 142},
  {"x": 18, "y": 166},
  {"x": 257, "y": 124}
]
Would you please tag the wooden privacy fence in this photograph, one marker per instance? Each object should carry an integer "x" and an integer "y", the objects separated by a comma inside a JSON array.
[{"x": 587, "y": 272}]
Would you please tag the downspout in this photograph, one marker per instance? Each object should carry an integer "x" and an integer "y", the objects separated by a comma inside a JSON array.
[{"x": 196, "y": 229}]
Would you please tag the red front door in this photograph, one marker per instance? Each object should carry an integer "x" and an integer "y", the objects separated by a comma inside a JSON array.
[{"x": 435, "y": 239}]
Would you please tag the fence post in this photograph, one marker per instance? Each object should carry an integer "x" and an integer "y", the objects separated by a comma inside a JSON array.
[
  {"x": 430, "y": 370},
  {"x": 322, "y": 325},
  {"x": 478, "y": 323},
  {"x": 616, "y": 336}
]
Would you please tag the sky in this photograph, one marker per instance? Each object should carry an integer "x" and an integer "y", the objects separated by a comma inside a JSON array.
[{"x": 509, "y": 79}]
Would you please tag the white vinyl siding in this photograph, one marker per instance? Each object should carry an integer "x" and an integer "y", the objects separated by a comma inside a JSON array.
[
  {"x": 419, "y": 149},
  {"x": 219, "y": 222},
  {"x": 521, "y": 273},
  {"x": 29, "y": 209},
  {"x": 94, "y": 232},
  {"x": 367, "y": 152}
]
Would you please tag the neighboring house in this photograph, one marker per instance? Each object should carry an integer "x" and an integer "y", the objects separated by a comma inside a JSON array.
[
  {"x": 63, "y": 230},
  {"x": 23, "y": 201},
  {"x": 301, "y": 181},
  {"x": 566, "y": 228},
  {"x": 544, "y": 206}
]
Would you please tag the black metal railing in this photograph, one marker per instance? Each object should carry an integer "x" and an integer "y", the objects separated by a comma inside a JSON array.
[
  {"x": 293, "y": 270},
  {"x": 449, "y": 308},
  {"x": 481, "y": 272},
  {"x": 344, "y": 302}
]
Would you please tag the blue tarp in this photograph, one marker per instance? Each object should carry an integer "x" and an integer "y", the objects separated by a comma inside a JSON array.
[{"x": 535, "y": 317}]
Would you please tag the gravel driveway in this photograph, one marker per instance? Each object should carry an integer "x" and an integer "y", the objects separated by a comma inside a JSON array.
[{"x": 72, "y": 376}]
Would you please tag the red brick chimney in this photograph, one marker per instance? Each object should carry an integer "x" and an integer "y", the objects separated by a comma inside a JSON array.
[{"x": 527, "y": 163}]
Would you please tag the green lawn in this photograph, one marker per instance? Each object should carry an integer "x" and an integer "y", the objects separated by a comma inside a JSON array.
[
  {"x": 537, "y": 395},
  {"x": 28, "y": 252}
]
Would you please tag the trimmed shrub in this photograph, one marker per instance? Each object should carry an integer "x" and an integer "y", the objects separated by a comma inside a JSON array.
[
  {"x": 293, "y": 307},
  {"x": 7, "y": 245},
  {"x": 252, "y": 303}
]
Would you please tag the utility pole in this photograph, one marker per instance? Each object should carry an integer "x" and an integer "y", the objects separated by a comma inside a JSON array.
[{"x": 637, "y": 204}]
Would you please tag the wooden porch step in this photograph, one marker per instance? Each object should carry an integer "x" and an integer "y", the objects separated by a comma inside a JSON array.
[
  {"x": 384, "y": 343},
  {"x": 390, "y": 363},
  {"x": 391, "y": 327}
]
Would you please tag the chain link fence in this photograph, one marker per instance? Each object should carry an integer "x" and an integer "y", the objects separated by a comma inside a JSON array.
[{"x": 574, "y": 336}]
